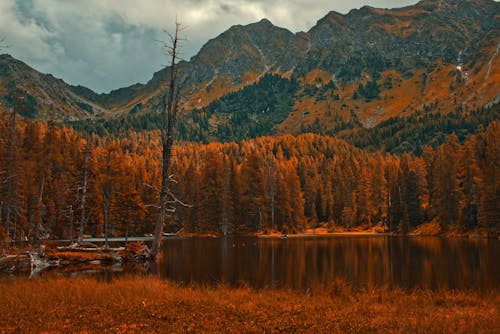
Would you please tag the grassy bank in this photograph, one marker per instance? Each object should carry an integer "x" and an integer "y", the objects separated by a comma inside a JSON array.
[{"x": 150, "y": 305}]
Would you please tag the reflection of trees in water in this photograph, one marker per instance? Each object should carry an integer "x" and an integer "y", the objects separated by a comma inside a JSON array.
[
  {"x": 443, "y": 263},
  {"x": 363, "y": 261}
]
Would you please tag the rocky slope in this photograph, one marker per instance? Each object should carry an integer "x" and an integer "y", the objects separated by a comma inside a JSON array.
[
  {"x": 353, "y": 70},
  {"x": 36, "y": 95}
]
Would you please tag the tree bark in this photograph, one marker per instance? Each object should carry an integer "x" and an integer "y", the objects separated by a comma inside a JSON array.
[
  {"x": 107, "y": 201},
  {"x": 83, "y": 200},
  {"x": 169, "y": 113},
  {"x": 39, "y": 221},
  {"x": 107, "y": 195}
]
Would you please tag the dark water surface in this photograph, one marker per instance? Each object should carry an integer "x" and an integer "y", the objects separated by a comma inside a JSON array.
[
  {"x": 298, "y": 263},
  {"x": 304, "y": 262}
]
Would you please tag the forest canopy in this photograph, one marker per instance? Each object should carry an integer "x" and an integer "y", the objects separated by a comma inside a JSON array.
[{"x": 282, "y": 183}]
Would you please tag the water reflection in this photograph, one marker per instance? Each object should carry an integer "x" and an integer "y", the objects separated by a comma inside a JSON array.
[{"x": 299, "y": 263}]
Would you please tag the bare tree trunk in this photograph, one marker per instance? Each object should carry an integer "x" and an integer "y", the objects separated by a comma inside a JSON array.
[
  {"x": 38, "y": 229},
  {"x": 271, "y": 179},
  {"x": 169, "y": 113},
  {"x": 126, "y": 234},
  {"x": 107, "y": 194},
  {"x": 107, "y": 204},
  {"x": 272, "y": 193},
  {"x": 7, "y": 223},
  {"x": 83, "y": 217},
  {"x": 260, "y": 219},
  {"x": 71, "y": 224}
]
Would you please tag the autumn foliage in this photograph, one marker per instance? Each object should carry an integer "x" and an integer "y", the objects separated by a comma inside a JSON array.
[{"x": 283, "y": 183}]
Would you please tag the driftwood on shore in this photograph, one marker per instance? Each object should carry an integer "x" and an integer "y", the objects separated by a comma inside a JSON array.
[
  {"x": 36, "y": 261},
  {"x": 13, "y": 263}
]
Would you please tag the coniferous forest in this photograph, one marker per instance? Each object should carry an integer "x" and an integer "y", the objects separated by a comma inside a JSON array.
[{"x": 54, "y": 181}]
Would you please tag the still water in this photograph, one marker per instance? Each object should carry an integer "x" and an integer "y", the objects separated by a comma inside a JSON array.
[{"x": 298, "y": 263}]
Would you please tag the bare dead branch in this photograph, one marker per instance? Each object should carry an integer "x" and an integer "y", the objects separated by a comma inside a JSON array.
[
  {"x": 170, "y": 106},
  {"x": 178, "y": 201},
  {"x": 171, "y": 179},
  {"x": 152, "y": 187}
]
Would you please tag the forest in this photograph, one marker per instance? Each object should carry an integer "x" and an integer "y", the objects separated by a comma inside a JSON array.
[
  {"x": 257, "y": 109},
  {"x": 58, "y": 183}
]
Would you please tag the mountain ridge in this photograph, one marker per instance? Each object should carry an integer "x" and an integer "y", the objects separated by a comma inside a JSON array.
[{"x": 362, "y": 67}]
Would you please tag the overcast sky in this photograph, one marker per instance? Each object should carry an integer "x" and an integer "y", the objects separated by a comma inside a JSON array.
[{"x": 108, "y": 44}]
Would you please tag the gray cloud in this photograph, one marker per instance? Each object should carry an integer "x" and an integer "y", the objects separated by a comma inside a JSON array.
[{"x": 109, "y": 44}]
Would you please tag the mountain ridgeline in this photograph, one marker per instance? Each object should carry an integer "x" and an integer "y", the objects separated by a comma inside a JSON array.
[{"x": 355, "y": 76}]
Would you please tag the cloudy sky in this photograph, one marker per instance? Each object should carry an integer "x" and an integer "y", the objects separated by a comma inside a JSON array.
[{"x": 108, "y": 44}]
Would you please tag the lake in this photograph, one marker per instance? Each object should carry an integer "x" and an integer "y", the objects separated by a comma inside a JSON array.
[
  {"x": 298, "y": 263},
  {"x": 302, "y": 262}
]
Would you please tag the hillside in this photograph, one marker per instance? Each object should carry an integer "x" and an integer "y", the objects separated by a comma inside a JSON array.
[
  {"x": 41, "y": 96},
  {"x": 347, "y": 73}
]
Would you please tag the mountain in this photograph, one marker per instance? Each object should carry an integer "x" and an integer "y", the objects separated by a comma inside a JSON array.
[
  {"x": 353, "y": 71},
  {"x": 36, "y": 95}
]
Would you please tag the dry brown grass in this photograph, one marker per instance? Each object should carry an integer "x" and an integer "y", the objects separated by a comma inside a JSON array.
[
  {"x": 431, "y": 228},
  {"x": 76, "y": 257},
  {"x": 148, "y": 305}
]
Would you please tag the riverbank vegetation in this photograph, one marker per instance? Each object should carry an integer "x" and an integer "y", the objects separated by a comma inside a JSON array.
[
  {"x": 55, "y": 183},
  {"x": 148, "y": 305}
]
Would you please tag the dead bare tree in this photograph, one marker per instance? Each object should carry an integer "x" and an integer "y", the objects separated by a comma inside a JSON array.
[
  {"x": 170, "y": 107},
  {"x": 39, "y": 230},
  {"x": 272, "y": 182},
  {"x": 108, "y": 189},
  {"x": 83, "y": 188}
]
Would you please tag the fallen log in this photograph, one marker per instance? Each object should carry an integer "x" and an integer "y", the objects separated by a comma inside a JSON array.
[
  {"x": 39, "y": 264},
  {"x": 75, "y": 257},
  {"x": 53, "y": 256},
  {"x": 12, "y": 263},
  {"x": 90, "y": 250}
]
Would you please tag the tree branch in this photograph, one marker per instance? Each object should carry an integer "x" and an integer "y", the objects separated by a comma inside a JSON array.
[
  {"x": 176, "y": 200},
  {"x": 170, "y": 108},
  {"x": 152, "y": 187}
]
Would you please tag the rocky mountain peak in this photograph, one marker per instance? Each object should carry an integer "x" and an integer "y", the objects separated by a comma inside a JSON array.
[
  {"x": 364, "y": 43},
  {"x": 9, "y": 64},
  {"x": 263, "y": 22},
  {"x": 363, "y": 11},
  {"x": 252, "y": 48}
]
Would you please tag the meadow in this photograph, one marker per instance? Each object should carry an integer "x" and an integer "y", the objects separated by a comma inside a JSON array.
[{"x": 150, "y": 305}]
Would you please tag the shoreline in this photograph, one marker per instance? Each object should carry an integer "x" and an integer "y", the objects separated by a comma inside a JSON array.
[
  {"x": 276, "y": 235},
  {"x": 377, "y": 234},
  {"x": 319, "y": 235}
]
